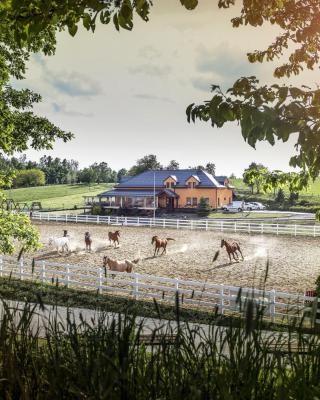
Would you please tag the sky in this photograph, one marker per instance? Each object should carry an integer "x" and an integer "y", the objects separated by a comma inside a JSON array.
[{"x": 124, "y": 95}]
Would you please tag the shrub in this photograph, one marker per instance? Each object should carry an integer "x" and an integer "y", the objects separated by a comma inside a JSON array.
[
  {"x": 29, "y": 177},
  {"x": 280, "y": 197},
  {"x": 203, "y": 208},
  {"x": 97, "y": 210}
]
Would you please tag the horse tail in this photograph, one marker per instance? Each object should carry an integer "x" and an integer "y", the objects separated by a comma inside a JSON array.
[{"x": 170, "y": 239}]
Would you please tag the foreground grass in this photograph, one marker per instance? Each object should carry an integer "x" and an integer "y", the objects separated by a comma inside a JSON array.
[
  {"x": 57, "y": 196},
  {"x": 106, "y": 358}
]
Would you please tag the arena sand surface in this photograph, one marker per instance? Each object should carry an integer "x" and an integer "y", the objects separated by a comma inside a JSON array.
[{"x": 294, "y": 263}]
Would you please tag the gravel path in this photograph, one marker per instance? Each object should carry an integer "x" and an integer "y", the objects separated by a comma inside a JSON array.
[{"x": 294, "y": 263}]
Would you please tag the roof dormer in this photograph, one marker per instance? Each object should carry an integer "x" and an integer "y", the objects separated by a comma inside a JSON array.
[
  {"x": 193, "y": 181},
  {"x": 170, "y": 182}
]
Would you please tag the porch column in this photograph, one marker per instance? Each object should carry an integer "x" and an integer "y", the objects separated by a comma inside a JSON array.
[
  {"x": 121, "y": 198},
  {"x": 144, "y": 202}
]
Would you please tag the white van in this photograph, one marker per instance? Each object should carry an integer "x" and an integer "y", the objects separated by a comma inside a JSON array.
[{"x": 235, "y": 206}]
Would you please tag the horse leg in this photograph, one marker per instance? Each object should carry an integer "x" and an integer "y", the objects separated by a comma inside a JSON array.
[
  {"x": 236, "y": 259},
  {"x": 229, "y": 257},
  {"x": 164, "y": 250},
  {"x": 241, "y": 254},
  {"x": 155, "y": 249}
]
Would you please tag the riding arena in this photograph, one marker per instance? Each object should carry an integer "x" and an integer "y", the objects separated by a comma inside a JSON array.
[{"x": 283, "y": 263}]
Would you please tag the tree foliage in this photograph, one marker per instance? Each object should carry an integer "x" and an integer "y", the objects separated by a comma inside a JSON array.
[
  {"x": 29, "y": 177},
  {"x": 146, "y": 163}
]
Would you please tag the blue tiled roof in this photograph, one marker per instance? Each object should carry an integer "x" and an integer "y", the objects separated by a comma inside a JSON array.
[{"x": 145, "y": 179}]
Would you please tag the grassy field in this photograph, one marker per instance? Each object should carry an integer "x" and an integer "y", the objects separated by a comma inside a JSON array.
[{"x": 57, "y": 196}]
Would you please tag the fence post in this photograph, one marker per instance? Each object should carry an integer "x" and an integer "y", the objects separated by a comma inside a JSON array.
[
  {"x": 206, "y": 224},
  {"x": 125, "y": 221},
  {"x": 314, "y": 231},
  {"x": 136, "y": 287},
  {"x": 235, "y": 226},
  {"x": 164, "y": 223},
  {"x": 98, "y": 219},
  {"x": 177, "y": 224},
  {"x": 295, "y": 230},
  {"x": 100, "y": 281},
  {"x": 222, "y": 298},
  {"x": 272, "y": 304},
  {"x": 68, "y": 275},
  {"x": 66, "y": 217},
  {"x": 221, "y": 226},
  {"x": 177, "y": 285},
  {"x": 249, "y": 227},
  {"x": 138, "y": 221},
  {"x": 277, "y": 229},
  {"x": 1, "y": 266},
  {"x": 76, "y": 218},
  {"x": 262, "y": 228},
  {"x": 43, "y": 271},
  {"x": 21, "y": 269},
  {"x": 117, "y": 220},
  {"x": 86, "y": 218}
]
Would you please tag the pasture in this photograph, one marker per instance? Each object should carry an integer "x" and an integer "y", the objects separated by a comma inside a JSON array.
[
  {"x": 293, "y": 261},
  {"x": 57, "y": 196}
]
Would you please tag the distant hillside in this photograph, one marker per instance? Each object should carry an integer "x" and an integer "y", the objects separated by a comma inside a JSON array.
[{"x": 57, "y": 196}]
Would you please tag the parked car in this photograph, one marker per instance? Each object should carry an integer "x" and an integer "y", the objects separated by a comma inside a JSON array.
[
  {"x": 258, "y": 206},
  {"x": 235, "y": 206}
]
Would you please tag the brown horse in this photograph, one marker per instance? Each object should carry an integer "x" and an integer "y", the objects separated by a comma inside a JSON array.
[
  {"x": 119, "y": 266},
  {"x": 114, "y": 237},
  {"x": 160, "y": 243},
  {"x": 232, "y": 247},
  {"x": 87, "y": 241}
]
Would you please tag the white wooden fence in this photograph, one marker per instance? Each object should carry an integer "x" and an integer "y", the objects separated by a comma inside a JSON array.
[
  {"x": 200, "y": 224},
  {"x": 201, "y": 294}
]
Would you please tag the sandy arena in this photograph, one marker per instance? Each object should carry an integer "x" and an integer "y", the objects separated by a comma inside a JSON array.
[{"x": 294, "y": 263}]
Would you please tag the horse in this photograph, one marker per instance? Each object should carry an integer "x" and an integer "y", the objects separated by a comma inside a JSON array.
[
  {"x": 160, "y": 243},
  {"x": 120, "y": 266},
  {"x": 232, "y": 247},
  {"x": 62, "y": 242},
  {"x": 114, "y": 237},
  {"x": 87, "y": 241}
]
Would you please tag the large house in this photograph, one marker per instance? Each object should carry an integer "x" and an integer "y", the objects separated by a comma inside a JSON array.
[{"x": 166, "y": 189}]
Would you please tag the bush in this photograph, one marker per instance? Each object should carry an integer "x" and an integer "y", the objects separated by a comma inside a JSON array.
[
  {"x": 97, "y": 210},
  {"x": 29, "y": 177},
  {"x": 203, "y": 208}
]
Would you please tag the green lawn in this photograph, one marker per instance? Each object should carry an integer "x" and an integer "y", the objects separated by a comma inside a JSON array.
[{"x": 57, "y": 196}]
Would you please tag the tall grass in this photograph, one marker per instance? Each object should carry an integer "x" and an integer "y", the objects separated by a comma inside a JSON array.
[{"x": 105, "y": 358}]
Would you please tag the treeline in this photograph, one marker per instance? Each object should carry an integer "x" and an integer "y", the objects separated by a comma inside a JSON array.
[
  {"x": 54, "y": 170},
  {"x": 260, "y": 179}
]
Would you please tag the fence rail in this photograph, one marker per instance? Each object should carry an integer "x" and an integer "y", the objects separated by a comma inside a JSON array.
[
  {"x": 196, "y": 224},
  {"x": 201, "y": 294}
]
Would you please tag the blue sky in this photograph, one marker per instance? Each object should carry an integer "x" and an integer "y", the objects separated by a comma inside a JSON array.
[{"x": 124, "y": 94}]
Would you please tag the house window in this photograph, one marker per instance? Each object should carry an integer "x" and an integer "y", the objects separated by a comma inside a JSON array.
[
  {"x": 188, "y": 201},
  {"x": 189, "y": 185},
  {"x": 194, "y": 201},
  {"x": 206, "y": 200}
]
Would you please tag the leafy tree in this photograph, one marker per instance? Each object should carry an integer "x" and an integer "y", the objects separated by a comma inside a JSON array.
[
  {"x": 88, "y": 176},
  {"x": 232, "y": 176},
  {"x": 146, "y": 163},
  {"x": 173, "y": 164},
  {"x": 121, "y": 174},
  {"x": 255, "y": 176},
  {"x": 211, "y": 168},
  {"x": 104, "y": 172},
  {"x": 29, "y": 177}
]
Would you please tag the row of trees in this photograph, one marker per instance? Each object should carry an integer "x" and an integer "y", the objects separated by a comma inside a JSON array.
[
  {"x": 54, "y": 170},
  {"x": 259, "y": 178}
]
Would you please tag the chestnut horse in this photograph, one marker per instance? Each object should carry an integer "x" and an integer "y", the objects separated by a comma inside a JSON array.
[
  {"x": 120, "y": 266},
  {"x": 160, "y": 243},
  {"x": 232, "y": 247},
  {"x": 114, "y": 237},
  {"x": 87, "y": 241}
]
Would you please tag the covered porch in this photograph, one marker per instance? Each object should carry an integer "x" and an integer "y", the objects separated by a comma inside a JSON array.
[{"x": 135, "y": 199}]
